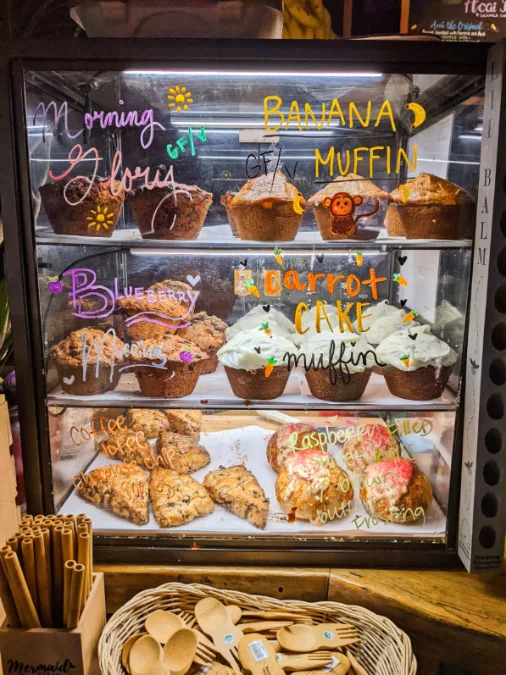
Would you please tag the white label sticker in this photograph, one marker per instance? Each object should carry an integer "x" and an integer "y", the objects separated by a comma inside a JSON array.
[
  {"x": 259, "y": 651},
  {"x": 331, "y": 666}
]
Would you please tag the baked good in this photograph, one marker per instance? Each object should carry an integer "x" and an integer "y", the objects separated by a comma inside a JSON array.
[
  {"x": 372, "y": 313},
  {"x": 208, "y": 332},
  {"x": 338, "y": 370},
  {"x": 434, "y": 209},
  {"x": 129, "y": 446},
  {"x": 396, "y": 491},
  {"x": 342, "y": 218},
  {"x": 93, "y": 372},
  {"x": 178, "y": 291},
  {"x": 418, "y": 364},
  {"x": 279, "y": 324},
  {"x": 149, "y": 317},
  {"x": 183, "y": 454},
  {"x": 384, "y": 326},
  {"x": 177, "y": 499},
  {"x": 254, "y": 363},
  {"x": 225, "y": 201},
  {"x": 291, "y": 438},
  {"x": 311, "y": 484},
  {"x": 393, "y": 222},
  {"x": 263, "y": 209},
  {"x": 238, "y": 490},
  {"x": 185, "y": 422},
  {"x": 147, "y": 420},
  {"x": 170, "y": 212},
  {"x": 94, "y": 216},
  {"x": 175, "y": 373},
  {"x": 371, "y": 443},
  {"x": 118, "y": 488}
]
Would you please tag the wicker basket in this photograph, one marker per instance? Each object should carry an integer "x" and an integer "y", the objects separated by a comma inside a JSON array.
[{"x": 383, "y": 648}]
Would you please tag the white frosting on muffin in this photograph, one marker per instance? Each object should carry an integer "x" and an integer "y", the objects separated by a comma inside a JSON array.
[
  {"x": 241, "y": 352},
  {"x": 357, "y": 356},
  {"x": 278, "y": 322},
  {"x": 403, "y": 352},
  {"x": 384, "y": 326},
  {"x": 376, "y": 312}
]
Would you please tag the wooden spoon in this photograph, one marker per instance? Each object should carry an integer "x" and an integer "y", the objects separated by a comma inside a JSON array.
[
  {"x": 235, "y": 613},
  {"x": 357, "y": 668},
  {"x": 257, "y": 656},
  {"x": 162, "y": 625},
  {"x": 146, "y": 657},
  {"x": 179, "y": 651},
  {"x": 125, "y": 652},
  {"x": 302, "y": 638}
]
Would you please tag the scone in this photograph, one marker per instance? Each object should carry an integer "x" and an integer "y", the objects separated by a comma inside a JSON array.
[
  {"x": 396, "y": 491},
  {"x": 311, "y": 486},
  {"x": 289, "y": 439},
  {"x": 147, "y": 420},
  {"x": 373, "y": 444},
  {"x": 176, "y": 498},
  {"x": 185, "y": 422},
  {"x": 238, "y": 490},
  {"x": 120, "y": 489},
  {"x": 183, "y": 454},
  {"x": 129, "y": 446}
]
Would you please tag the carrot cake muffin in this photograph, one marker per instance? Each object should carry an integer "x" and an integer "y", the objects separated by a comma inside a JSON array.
[
  {"x": 279, "y": 324},
  {"x": 177, "y": 372},
  {"x": 263, "y": 209},
  {"x": 209, "y": 333},
  {"x": 350, "y": 207},
  {"x": 434, "y": 209},
  {"x": 147, "y": 420},
  {"x": 177, "y": 499},
  {"x": 183, "y": 454},
  {"x": 95, "y": 216},
  {"x": 92, "y": 370},
  {"x": 165, "y": 213},
  {"x": 142, "y": 319},
  {"x": 185, "y": 422}
]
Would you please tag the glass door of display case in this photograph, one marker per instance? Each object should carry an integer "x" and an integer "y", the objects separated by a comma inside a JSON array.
[{"x": 247, "y": 291}]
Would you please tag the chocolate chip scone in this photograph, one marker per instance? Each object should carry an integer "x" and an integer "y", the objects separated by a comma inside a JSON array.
[
  {"x": 238, "y": 490},
  {"x": 176, "y": 498},
  {"x": 149, "y": 421},
  {"x": 183, "y": 454},
  {"x": 185, "y": 422},
  {"x": 129, "y": 446},
  {"x": 120, "y": 489}
]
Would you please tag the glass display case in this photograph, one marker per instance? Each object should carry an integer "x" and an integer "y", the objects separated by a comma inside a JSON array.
[{"x": 244, "y": 285}]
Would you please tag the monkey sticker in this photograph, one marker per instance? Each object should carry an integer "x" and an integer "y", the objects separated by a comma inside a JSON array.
[{"x": 342, "y": 207}]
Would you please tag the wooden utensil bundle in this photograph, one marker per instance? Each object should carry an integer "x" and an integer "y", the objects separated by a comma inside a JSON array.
[{"x": 46, "y": 571}]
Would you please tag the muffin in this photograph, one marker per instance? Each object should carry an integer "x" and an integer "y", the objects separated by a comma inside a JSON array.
[
  {"x": 434, "y": 209},
  {"x": 338, "y": 369},
  {"x": 254, "y": 363},
  {"x": 225, "y": 201},
  {"x": 182, "y": 454},
  {"x": 279, "y": 324},
  {"x": 185, "y": 422},
  {"x": 177, "y": 291},
  {"x": 263, "y": 209},
  {"x": 170, "y": 213},
  {"x": 209, "y": 333},
  {"x": 143, "y": 319},
  {"x": 396, "y": 491},
  {"x": 418, "y": 364},
  {"x": 291, "y": 438},
  {"x": 340, "y": 208},
  {"x": 393, "y": 222},
  {"x": 147, "y": 420},
  {"x": 383, "y": 326},
  {"x": 94, "y": 372},
  {"x": 177, "y": 373},
  {"x": 311, "y": 486},
  {"x": 95, "y": 216},
  {"x": 371, "y": 444}
]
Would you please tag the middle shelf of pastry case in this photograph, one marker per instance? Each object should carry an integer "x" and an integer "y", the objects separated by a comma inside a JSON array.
[{"x": 209, "y": 394}]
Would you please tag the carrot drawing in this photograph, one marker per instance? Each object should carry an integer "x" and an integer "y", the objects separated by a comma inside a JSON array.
[
  {"x": 250, "y": 285},
  {"x": 278, "y": 255},
  {"x": 400, "y": 280},
  {"x": 359, "y": 258},
  {"x": 269, "y": 366}
]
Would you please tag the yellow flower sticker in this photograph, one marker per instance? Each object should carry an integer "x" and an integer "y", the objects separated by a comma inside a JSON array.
[
  {"x": 179, "y": 98},
  {"x": 101, "y": 217}
]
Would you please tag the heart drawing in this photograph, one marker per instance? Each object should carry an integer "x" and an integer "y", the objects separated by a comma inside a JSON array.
[{"x": 193, "y": 280}]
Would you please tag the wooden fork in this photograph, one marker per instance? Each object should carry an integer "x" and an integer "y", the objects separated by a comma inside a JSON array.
[{"x": 206, "y": 650}]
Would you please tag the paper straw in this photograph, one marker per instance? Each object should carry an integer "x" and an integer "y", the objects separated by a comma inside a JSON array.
[
  {"x": 7, "y": 599},
  {"x": 20, "y": 592},
  {"x": 67, "y": 545},
  {"x": 89, "y": 525},
  {"x": 83, "y": 557},
  {"x": 57, "y": 575},
  {"x": 82, "y": 528},
  {"x": 67, "y": 582},
  {"x": 46, "y": 533},
  {"x": 29, "y": 570},
  {"x": 13, "y": 543},
  {"x": 27, "y": 518},
  {"x": 42, "y": 581},
  {"x": 76, "y": 591},
  {"x": 80, "y": 517}
]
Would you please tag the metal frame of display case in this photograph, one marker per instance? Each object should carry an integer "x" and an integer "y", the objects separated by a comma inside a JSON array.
[{"x": 119, "y": 54}]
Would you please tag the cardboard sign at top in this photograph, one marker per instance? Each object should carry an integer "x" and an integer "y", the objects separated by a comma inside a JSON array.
[{"x": 459, "y": 20}]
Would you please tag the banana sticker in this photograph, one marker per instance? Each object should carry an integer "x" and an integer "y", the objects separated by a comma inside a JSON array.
[{"x": 418, "y": 112}]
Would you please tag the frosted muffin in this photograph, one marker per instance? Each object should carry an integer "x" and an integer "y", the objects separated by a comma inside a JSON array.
[
  {"x": 291, "y": 438},
  {"x": 371, "y": 444},
  {"x": 311, "y": 486},
  {"x": 263, "y": 209},
  {"x": 95, "y": 216},
  {"x": 161, "y": 214},
  {"x": 255, "y": 364},
  {"x": 434, "y": 209},
  {"x": 88, "y": 362},
  {"x": 279, "y": 324},
  {"x": 384, "y": 326},
  {"x": 338, "y": 208},
  {"x": 396, "y": 491},
  {"x": 418, "y": 364},
  {"x": 143, "y": 319},
  {"x": 209, "y": 333},
  {"x": 338, "y": 370},
  {"x": 174, "y": 372},
  {"x": 370, "y": 314}
]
